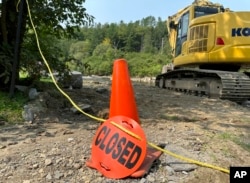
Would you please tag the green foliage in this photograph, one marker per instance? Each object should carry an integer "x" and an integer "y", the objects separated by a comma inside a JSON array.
[
  {"x": 145, "y": 64},
  {"x": 80, "y": 49},
  {"x": 147, "y": 35},
  {"x": 31, "y": 60},
  {"x": 11, "y": 108},
  {"x": 59, "y": 17},
  {"x": 143, "y": 43},
  {"x": 140, "y": 64},
  {"x": 53, "y": 20},
  {"x": 240, "y": 140},
  {"x": 98, "y": 66}
]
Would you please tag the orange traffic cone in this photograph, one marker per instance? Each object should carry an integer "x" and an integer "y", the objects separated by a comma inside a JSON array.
[
  {"x": 122, "y": 100},
  {"x": 110, "y": 154}
]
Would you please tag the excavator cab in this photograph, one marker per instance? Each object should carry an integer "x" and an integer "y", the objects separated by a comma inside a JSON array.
[{"x": 182, "y": 26}]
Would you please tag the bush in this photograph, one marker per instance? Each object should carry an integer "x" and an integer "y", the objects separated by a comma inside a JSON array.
[{"x": 11, "y": 108}]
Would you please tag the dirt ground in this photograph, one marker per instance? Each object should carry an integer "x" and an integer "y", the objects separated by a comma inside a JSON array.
[{"x": 56, "y": 146}]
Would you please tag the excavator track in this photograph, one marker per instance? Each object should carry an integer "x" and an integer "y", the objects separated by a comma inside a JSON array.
[{"x": 233, "y": 86}]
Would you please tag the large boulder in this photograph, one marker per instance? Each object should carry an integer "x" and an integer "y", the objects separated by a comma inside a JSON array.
[{"x": 72, "y": 80}]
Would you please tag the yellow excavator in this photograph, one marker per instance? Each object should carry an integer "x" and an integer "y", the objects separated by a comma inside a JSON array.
[{"x": 211, "y": 52}]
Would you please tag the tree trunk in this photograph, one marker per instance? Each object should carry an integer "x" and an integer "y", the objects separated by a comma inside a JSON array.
[
  {"x": 8, "y": 32},
  {"x": 3, "y": 23}
]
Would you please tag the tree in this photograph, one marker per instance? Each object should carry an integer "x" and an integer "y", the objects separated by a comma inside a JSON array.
[
  {"x": 59, "y": 18},
  {"x": 80, "y": 49}
]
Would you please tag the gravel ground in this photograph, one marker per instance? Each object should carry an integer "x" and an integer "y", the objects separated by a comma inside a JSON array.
[{"x": 57, "y": 144}]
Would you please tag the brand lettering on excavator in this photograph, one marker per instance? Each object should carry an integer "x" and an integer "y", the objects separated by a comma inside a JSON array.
[{"x": 240, "y": 32}]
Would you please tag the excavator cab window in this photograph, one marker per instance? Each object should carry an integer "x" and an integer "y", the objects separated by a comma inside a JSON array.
[
  {"x": 202, "y": 11},
  {"x": 182, "y": 30}
]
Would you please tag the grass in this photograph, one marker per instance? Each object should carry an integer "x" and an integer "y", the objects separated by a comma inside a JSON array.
[
  {"x": 11, "y": 108},
  {"x": 46, "y": 80},
  {"x": 238, "y": 140}
]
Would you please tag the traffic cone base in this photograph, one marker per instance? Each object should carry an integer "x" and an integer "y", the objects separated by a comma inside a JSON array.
[
  {"x": 119, "y": 148},
  {"x": 151, "y": 156}
]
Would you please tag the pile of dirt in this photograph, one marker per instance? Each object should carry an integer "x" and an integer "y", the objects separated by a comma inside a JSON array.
[{"x": 57, "y": 144}]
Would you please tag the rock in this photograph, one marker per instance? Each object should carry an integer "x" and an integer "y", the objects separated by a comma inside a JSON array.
[
  {"x": 43, "y": 155},
  {"x": 176, "y": 164},
  {"x": 35, "y": 166},
  {"x": 48, "y": 176},
  {"x": 26, "y": 181},
  {"x": 41, "y": 170},
  {"x": 184, "y": 172},
  {"x": 170, "y": 170},
  {"x": 32, "y": 109},
  {"x": 48, "y": 162},
  {"x": 246, "y": 103},
  {"x": 58, "y": 174},
  {"x": 21, "y": 88},
  {"x": 77, "y": 165},
  {"x": 101, "y": 90},
  {"x": 150, "y": 178},
  {"x": 28, "y": 114},
  {"x": 69, "y": 173},
  {"x": 67, "y": 132},
  {"x": 33, "y": 93},
  {"x": 143, "y": 180},
  {"x": 70, "y": 139},
  {"x": 85, "y": 107},
  {"x": 171, "y": 181},
  {"x": 2, "y": 146},
  {"x": 72, "y": 80}
]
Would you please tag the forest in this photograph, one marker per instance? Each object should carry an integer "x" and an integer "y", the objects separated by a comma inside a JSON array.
[
  {"x": 70, "y": 39},
  {"x": 142, "y": 43}
]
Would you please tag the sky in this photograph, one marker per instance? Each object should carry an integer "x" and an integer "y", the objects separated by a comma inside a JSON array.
[{"x": 113, "y": 11}]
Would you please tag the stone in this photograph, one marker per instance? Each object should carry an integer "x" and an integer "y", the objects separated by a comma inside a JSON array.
[
  {"x": 77, "y": 165},
  {"x": 41, "y": 170},
  {"x": 101, "y": 90},
  {"x": 26, "y": 181},
  {"x": 28, "y": 114},
  {"x": 2, "y": 146},
  {"x": 170, "y": 170},
  {"x": 33, "y": 93},
  {"x": 150, "y": 178},
  {"x": 58, "y": 174},
  {"x": 70, "y": 139},
  {"x": 21, "y": 88},
  {"x": 176, "y": 164},
  {"x": 35, "y": 166},
  {"x": 85, "y": 107},
  {"x": 143, "y": 180},
  {"x": 246, "y": 103},
  {"x": 48, "y": 162},
  {"x": 72, "y": 80},
  {"x": 48, "y": 176}
]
